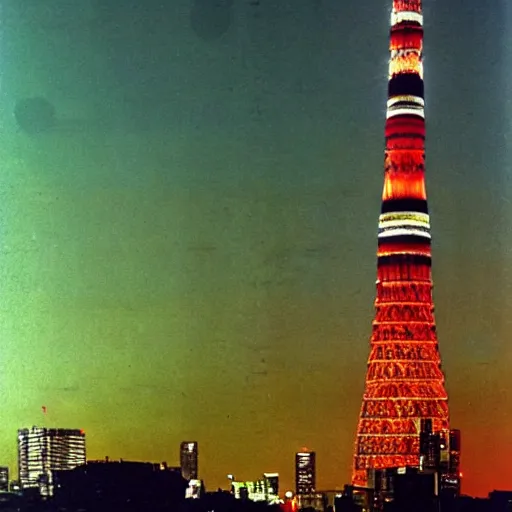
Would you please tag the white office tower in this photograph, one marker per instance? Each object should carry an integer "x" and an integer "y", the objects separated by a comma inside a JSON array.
[{"x": 44, "y": 450}]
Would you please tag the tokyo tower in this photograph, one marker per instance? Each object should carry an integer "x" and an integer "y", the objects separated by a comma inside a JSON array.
[{"x": 404, "y": 380}]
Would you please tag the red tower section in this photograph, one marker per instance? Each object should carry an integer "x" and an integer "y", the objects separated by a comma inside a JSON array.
[{"x": 404, "y": 381}]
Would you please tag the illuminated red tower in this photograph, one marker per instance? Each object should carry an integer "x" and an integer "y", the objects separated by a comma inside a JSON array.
[{"x": 404, "y": 381}]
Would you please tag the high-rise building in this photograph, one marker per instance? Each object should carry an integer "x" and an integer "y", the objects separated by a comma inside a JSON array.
[
  {"x": 305, "y": 472},
  {"x": 404, "y": 380},
  {"x": 450, "y": 468},
  {"x": 189, "y": 456},
  {"x": 440, "y": 452},
  {"x": 264, "y": 489},
  {"x": 455, "y": 447},
  {"x": 272, "y": 483},
  {"x": 4, "y": 479},
  {"x": 44, "y": 450},
  {"x": 430, "y": 446}
]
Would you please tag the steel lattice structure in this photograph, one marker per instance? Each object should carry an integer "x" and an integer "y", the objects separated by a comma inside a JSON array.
[{"x": 404, "y": 380}]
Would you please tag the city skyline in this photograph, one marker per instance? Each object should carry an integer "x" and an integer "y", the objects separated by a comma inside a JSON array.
[
  {"x": 189, "y": 460},
  {"x": 305, "y": 472},
  {"x": 189, "y": 254}
]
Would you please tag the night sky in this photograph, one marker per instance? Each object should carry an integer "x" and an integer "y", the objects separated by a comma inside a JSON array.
[{"x": 190, "y": 252}]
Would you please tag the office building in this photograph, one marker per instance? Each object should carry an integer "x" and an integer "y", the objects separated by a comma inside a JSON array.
[
  {"x": 305, "y": 472},
  {"x": 264, "y": 489},
  {"x": 430, "y": 446},
  {"x": 4, "y": 479},
  {"x": 272, "y": 483},
  {"x": 44, "y": 450},
  {"x": 189, "y": 460},
  {"x": 455, "y": 448},
  {"x": 450, "y": 468}
]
